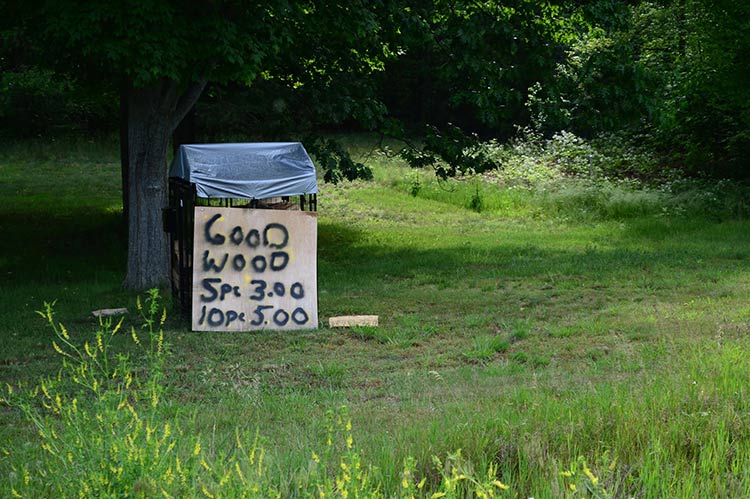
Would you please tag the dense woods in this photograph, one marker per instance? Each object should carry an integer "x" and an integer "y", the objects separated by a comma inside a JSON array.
[{"x": 443, "y": 76}]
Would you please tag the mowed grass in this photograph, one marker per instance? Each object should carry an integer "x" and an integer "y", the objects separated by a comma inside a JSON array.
[{"x": 536, "y": 329}]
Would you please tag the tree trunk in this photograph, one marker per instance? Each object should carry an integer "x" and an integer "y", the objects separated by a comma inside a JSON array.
[
  {"x": 153, "y": 114},
  {"x": 124, "y": 160}
]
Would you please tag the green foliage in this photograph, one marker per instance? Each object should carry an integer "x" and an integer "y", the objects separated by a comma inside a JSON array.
[
  {"x": 470, "y": 63},
  {"x": 706, "y": 118},
  {"x": 98, "y": 421},
  {"x": 600, "y": 86},
  {"x": 674, "y": 70},
  {"x": 449, "y": 152},
  {"x": 335, "y": 161},
  {"x": 567, "y": 177},
  {"x": 33, "y": 100},
  {"x": 37, "y": 101}
]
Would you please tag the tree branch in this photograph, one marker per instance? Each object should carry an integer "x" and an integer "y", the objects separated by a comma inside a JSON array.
[{"x": 187, "y": 100}]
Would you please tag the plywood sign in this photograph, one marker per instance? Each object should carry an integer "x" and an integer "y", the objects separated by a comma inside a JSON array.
[{"x": 254, "y": 269}]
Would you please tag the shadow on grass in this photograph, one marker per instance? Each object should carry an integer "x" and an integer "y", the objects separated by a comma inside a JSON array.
[
  {"x": 78, "y": 257},
  {"x": 75, "y": 258},
  {"x": 68, "y": 248}
]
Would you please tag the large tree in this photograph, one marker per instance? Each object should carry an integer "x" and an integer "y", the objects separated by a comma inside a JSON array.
[{"x": 163, "y": 53}]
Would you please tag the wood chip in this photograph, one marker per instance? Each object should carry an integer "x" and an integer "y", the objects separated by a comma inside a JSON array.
[
  {"x": 109, "y": 312},
  {"x": 353, "y": 320}
]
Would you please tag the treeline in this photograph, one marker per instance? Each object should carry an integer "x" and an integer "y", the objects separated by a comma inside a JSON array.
[{"x": 672, "y": 75}]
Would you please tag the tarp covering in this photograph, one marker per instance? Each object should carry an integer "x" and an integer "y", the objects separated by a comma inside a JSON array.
[{"x": 252, "y": 170}]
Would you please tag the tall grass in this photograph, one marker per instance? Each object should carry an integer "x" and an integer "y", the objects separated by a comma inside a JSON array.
[
  {"x": 104, "y": 429},
  {"x": 568, "y": 178}
]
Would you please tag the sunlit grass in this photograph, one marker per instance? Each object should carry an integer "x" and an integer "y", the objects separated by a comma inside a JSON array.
[{"x": 546, "y": 326}]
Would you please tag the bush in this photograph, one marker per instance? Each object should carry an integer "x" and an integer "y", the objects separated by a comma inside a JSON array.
[
  {"x": 568, "y": 177},
  {"x": 40, "y": 101}
]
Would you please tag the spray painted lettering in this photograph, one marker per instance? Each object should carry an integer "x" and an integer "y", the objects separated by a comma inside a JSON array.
[{"x": 256, "y": 269}]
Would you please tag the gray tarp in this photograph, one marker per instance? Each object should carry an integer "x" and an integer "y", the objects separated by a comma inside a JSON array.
[{"x": 252, "y": 171}]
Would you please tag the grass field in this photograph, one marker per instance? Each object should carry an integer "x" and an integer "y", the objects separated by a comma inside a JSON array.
[{"x": 552, "y": 333}]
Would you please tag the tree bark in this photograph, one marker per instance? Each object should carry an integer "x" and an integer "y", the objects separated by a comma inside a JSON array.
[
  {"x": 124, "y": 161},
  {"x": 153, "y": 114}
]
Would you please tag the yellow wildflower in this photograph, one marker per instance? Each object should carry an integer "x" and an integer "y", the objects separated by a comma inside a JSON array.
[
  {"x": 315, "y": 457},
  {"x": 206, "y": 492},
  {"x": 119, "y": 325},
  {"x": 225, "y": 478},
  {"x": 500, "y": 485},
  {"x": 167, "y": 432},
  {"x": 594, "y": 479},
  {"x": 239, "y": 472},
  {"x": 260, "y": 461}
]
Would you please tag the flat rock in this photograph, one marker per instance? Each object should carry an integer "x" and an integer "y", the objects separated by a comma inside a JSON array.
[
  {"x": 353, "y": 320},
  {"x": 109, "y": 312}
]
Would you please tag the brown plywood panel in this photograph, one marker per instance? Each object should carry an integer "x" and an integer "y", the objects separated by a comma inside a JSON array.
[{"x": 254, "y": 269}]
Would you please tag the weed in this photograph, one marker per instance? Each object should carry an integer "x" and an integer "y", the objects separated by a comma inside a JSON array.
[
  {"x": 330, "y": 373},
  {"x": 415, "y": 185},
  {"x": 484, "y": 348},
  {"x": 476, "y": 203}
]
